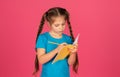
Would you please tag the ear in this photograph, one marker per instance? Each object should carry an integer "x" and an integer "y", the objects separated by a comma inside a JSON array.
[{"x": 48, "y": 23}]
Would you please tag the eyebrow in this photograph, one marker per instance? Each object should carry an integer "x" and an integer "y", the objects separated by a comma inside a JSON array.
[{"x": 63, "y": 23}]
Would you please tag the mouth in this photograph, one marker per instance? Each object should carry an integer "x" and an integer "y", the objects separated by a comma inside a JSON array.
[{"x": 60, "y": 31}]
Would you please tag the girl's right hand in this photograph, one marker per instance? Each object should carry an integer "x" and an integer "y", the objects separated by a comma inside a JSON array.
[{"x": 60, "y": 46}]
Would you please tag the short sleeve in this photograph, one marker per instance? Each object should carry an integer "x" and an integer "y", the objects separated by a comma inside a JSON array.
[
  {"x": 70, "y": 40},
  {"x": 40, "y": 42}
]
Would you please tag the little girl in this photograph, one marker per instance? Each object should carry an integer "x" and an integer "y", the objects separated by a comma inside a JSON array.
[{"x": 46, "y": 51}]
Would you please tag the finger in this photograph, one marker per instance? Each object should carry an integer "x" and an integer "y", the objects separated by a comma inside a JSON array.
[
  {"x": 76, "y": 47},
  {"x": 76, "y": 44},
  {"x": 75, "y": 50},
  {"x": 72, "y": 49},
  {"x": 64, "y": 43}
]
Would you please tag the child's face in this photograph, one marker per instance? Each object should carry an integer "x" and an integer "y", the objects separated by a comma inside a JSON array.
[{"x": 58, "y": 25}]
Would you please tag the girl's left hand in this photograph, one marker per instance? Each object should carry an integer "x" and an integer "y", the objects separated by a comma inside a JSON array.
[{"x": 74, "y": 49}]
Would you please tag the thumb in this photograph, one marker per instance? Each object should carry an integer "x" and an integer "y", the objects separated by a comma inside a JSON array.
[{"x": 64, "y": 43}]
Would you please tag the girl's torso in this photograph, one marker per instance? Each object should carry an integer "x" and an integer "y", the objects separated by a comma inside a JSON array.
[{"x": 61, "y": 67}]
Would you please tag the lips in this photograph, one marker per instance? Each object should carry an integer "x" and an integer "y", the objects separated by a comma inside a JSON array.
[{"x": 60, "y": 31}]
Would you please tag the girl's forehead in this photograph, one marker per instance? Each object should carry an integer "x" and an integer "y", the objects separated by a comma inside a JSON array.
[{"x": 58, "y": 19}]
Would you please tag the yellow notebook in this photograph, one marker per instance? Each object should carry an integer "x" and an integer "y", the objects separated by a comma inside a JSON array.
[{"x": 64, "y": 52}]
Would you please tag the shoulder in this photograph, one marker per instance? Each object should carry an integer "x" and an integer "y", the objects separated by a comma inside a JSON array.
[
  {"x": 43, "y": 36},
  {"x": 41, "y": 41},
  {"x": 65, "y": 35},
  {"x": 68, "y": 37}
]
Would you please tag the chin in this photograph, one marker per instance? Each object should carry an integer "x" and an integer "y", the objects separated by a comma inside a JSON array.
[{"x": 61, "y": 31}]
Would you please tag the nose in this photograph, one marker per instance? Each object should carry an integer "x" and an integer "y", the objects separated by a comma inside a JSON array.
[{"x": 61, "y": 27}]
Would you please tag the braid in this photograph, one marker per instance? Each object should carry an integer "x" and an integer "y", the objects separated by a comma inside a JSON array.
[
  {"x": 41, "y": 25},
  {"x": 75, "y": 65},
  {"x": 70, "y": 29},
  {"x": 39, "y": 31}
]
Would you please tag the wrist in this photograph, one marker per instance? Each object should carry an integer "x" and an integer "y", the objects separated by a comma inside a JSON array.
[
  {"x": 56, "y": 50},
  {"x": 73, "y": 53}
]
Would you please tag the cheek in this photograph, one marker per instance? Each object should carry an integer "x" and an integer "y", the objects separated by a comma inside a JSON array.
[
  {"x": 64, "y": 26},
  {"x": 55, "y": 28}
]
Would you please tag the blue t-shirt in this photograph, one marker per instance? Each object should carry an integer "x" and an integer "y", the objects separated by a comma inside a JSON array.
[{"x": 59, "y": 68}]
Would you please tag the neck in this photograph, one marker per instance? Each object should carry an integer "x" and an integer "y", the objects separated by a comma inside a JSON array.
[{"x": 55, "y": 34}]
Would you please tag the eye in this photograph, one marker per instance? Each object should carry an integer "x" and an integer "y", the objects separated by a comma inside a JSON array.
[
  {"x": 63, "y": 24},
  {"x": 56, "y": 25}
]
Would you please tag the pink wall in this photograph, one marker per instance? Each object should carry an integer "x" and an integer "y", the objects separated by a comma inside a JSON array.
[{"x": 97, "y": 21}]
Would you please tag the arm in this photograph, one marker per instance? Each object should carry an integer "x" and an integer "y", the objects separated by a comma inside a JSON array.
[
  {"x": 72, "y": 58},
  {"x": 43, "y": 58}
]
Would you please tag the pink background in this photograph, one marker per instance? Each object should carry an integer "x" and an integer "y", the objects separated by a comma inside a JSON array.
[{"x": 97, "y": 21}]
